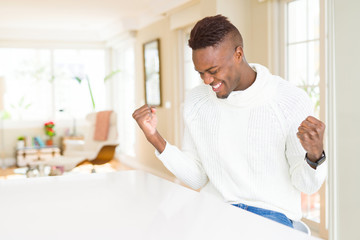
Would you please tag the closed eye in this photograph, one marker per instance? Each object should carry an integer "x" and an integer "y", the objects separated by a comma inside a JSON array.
[{"x": 214, "y": 72}]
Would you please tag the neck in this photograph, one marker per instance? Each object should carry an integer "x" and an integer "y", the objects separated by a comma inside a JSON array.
[{"x": 248, "y": 76}]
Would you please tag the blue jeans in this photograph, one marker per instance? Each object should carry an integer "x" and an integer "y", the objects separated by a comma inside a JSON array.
[{"x": 275, "y": 216}]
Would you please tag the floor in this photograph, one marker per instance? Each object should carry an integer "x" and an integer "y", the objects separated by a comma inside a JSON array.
[{"x": 113, "y": 165}]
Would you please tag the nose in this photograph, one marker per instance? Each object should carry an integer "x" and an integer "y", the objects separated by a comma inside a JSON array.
[{"x": 207, "y": 78}]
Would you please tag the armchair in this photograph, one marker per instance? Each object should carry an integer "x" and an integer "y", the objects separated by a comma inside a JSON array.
[
  {"x": 79, "y": 150},
  {"x": 105, "y": 155},
  {"x": 89, "y": 147}
]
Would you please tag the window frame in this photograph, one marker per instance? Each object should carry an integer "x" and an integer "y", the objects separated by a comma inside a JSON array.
[{"x": 280, "y": 43}]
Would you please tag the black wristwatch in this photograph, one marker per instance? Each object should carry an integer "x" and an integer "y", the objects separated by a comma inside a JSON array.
[{"x": 318, "y": 162}]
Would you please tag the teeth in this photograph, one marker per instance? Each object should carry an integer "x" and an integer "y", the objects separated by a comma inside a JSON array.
[{"x": 217, "y": 86}]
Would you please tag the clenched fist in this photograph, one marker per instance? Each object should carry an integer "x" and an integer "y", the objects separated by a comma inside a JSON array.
[
  {"x": 147, "y": 120},
  {"x": 311, "y": 135}
]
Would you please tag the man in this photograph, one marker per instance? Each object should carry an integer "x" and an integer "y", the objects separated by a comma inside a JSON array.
[{"x": 247, "y": 132}]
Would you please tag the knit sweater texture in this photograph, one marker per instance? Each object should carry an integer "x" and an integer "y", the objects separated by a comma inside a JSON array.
[{"x": 246, "y": 146}]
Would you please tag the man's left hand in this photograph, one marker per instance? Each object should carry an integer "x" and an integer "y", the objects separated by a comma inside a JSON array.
[{"x": 311, "y": 135}]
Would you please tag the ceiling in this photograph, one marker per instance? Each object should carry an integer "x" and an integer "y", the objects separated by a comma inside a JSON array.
[{"x": 78, "y": 20}]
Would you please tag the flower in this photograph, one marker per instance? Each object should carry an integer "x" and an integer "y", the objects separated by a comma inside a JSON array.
[
  {"x": 49, "y": 124},
  {"x": 49, "y": 129}
]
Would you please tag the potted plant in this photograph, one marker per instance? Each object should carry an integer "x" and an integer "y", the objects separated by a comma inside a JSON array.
[{"x": 20, "y": 142}]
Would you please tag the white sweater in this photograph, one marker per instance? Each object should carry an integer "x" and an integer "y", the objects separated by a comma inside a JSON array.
[{"x": 246, "y": 145}]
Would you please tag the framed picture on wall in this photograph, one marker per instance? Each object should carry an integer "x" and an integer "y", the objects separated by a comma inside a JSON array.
[{"x": 151, "y": 53}]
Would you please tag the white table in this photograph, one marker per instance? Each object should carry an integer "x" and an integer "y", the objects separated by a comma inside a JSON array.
[{"x": 124, "y": 205}]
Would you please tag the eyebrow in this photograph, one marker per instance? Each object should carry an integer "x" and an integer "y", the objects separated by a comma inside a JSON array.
[{"x": 206, "y": 70}]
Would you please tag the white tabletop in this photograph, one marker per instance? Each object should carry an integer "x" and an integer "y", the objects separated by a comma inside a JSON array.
[{"x": 124, "y": 205}]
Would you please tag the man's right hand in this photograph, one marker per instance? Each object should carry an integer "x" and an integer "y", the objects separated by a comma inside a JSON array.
[{"x": 147, "y": 120}]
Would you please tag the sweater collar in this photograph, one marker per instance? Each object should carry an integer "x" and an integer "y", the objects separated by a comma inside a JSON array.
[{"x": 253, "y": 93}]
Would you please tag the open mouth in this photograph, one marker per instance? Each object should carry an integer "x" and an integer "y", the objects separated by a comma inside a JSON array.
[{"x": 216, "y": 87}]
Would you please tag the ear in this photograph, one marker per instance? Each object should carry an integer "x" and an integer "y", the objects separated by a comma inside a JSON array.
[{"x": 239, "y": 54}]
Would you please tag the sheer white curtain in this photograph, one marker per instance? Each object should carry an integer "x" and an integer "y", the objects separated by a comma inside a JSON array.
[{"x": 123, "y": 93}]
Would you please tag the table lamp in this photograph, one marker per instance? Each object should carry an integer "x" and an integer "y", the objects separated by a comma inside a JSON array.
[{"x": 74, "y": 123}]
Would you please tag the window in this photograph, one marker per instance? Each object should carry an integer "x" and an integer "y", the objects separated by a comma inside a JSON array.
[
  {"x": 72, "y": 96},
  {"x": 192, "y": 77},
  {"x": 39, "y": 82},
  {"x": 303, "y": 47},
  {"x": 189, "y": 77},
  {"x": 27, "y": 73},
  {"x": 304, "y": 61},
  {"x": 123, "y": 93}
]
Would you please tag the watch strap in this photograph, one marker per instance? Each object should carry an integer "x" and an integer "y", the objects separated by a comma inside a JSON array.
[{"x": 318, "y": 162}]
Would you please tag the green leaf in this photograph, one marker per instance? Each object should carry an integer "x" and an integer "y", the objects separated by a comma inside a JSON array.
[
  {"x": 91, "y": 95},
  {"x": 27, "y": 106},
  {"x": 113, "y": 73},
  {"x": 78, "y": 79},
  {"x": 21, "y": 101},
  {"x": 4, "y": 115},
  {"x": 51, "y": 80}
]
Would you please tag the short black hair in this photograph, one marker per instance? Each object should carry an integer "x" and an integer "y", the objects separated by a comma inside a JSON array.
[{"x": 211, "y": 31}]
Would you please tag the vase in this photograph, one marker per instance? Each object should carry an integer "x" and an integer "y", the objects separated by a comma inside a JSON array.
[
  {"x": 49, "y": 142},
  {"x": 20, "y": 144}
]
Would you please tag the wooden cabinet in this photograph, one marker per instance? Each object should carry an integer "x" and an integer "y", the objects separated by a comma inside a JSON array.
[{"x": 34, "y": 155}]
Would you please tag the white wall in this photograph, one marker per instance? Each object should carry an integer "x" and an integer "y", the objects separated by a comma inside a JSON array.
[
  {"x": 251, "y": 18},
  {"x": 239, "y": 13},
  {"x": 347, "y": 88}
]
